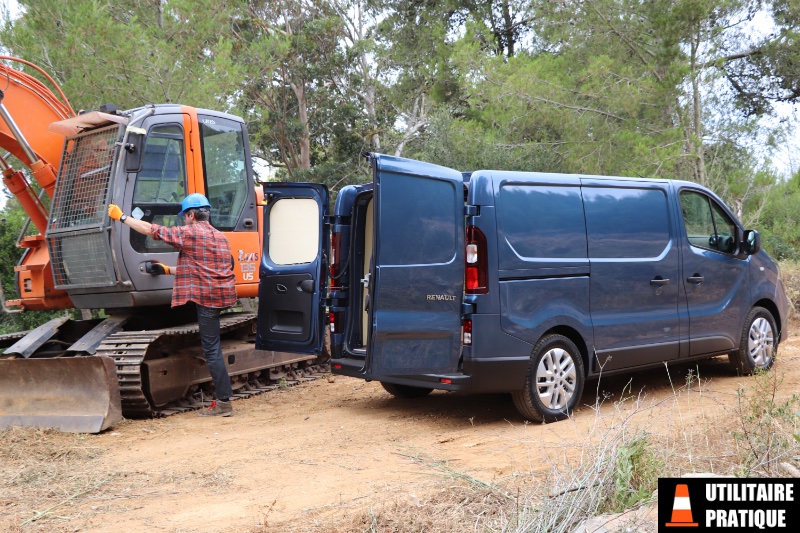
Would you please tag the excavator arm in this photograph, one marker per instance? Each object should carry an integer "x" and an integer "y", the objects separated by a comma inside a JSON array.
[{"x": 27, "y": 108}]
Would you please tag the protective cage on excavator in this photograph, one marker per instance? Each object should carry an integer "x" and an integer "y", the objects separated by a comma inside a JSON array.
[{"x": 77, "y": 234}]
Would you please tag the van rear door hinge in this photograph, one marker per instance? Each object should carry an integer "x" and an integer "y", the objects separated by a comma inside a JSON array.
[{"x": 471, "y": 210}]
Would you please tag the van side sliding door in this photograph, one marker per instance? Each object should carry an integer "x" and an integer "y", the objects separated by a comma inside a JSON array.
[
  {"x": 635, "y": 268},
  {"x": 417, "y": 283}
]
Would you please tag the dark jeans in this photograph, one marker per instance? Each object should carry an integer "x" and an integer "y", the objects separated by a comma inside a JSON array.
[{"x": 208, "y": 321}]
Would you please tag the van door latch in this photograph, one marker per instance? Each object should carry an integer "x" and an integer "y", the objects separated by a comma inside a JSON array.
[
  {"x": 659, "y": 282},
  {"x": 365, "y": 281}
]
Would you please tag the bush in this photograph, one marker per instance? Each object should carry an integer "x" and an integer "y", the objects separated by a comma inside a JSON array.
[{"x": 767, "y": 434}]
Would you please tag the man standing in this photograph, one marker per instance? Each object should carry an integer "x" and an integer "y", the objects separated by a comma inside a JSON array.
[{"x": 203, "y": 276}]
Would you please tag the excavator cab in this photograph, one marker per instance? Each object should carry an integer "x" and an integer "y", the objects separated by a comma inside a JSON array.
[{"x": 145, "y": 160}]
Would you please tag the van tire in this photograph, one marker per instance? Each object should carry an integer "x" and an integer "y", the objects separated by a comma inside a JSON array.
[
  {"x": 405, "y": 391},
  {"x": 758, "y": 344},
  {"x": 536, "y": 402}
]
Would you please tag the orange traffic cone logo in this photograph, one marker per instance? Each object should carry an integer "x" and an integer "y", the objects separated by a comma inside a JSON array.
[{"x": 682, "y": 508}]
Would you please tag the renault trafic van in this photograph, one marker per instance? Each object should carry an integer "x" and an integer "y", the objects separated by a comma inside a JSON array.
[{"x": 520, "y": 282}]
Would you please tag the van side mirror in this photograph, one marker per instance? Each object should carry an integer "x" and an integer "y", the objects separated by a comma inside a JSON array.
[
  {"x": 752, "y": 242},
  {"x": 134, "y": 149}
]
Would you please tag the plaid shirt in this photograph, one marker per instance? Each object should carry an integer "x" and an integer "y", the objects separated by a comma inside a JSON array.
[{"x": 204, "y": 274}]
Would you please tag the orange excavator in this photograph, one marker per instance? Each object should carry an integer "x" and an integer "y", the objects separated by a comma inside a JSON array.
[{"x": 140, "y": 358}]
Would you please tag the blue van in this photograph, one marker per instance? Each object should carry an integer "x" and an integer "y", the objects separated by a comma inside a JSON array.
[{"x": 520, "y": 282}]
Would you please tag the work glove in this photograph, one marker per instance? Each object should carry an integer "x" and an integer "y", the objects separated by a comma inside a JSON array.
[
  {"x": 114, "y": 212},
  {"x": 155, "y": 268}
]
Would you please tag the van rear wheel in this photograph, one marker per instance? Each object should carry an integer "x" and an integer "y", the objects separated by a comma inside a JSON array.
[
  {"x": 758, "y": 344},
  {"x": 405, "y": 391},
  {"x": 554, "y": 383}
]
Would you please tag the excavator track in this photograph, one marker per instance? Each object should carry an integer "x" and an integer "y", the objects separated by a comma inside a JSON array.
[{"x": 129, "y": 350}]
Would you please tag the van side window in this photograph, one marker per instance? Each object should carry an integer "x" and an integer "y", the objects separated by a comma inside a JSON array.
[
  {"x": 626, "y": 222},
  {"x": 543, "y": 221},
  {"x": 707, "y": 225}
]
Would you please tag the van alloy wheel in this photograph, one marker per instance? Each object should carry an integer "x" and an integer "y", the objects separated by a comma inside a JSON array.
[
  {"x": 555, "y": 379},
  {"x": 758, "y": 343},
  {"x": 554, "y": 382}
]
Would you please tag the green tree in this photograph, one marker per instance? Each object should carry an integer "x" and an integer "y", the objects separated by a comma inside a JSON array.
[
  {"x": 627, "y": 87},
  {"x": 12, "y": 224},
  {"x": 129, "y": 53},
  {"x": 780, "y": 220},
  {"x": 288, "y": 51}
]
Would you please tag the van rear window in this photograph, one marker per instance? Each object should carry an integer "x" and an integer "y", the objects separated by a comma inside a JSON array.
[
  {"x": 626, "y": 222},
  {"x": 543, "y": 221},
  {"x": 421, "y": 228},
  {"x": 293, "y": 231}
]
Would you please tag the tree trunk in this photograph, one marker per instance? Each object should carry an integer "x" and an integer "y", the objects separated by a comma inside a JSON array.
[
  {"x": 697, "y": 115},
  {"x": 304, "y": 161}
]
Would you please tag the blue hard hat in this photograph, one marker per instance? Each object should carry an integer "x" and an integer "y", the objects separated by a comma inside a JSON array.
[{"x": 193, "y": 201}]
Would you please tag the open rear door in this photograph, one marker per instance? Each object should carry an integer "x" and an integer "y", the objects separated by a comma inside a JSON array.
[
  {"x": 293, "y": 270},
  {"x": 417, "y": 283}
]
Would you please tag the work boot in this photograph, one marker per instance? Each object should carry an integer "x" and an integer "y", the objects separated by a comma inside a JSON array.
[{"x": 217, "y": 408}]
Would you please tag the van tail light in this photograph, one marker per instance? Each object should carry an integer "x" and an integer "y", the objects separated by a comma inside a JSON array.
[
  {"x": 466, "y": 332},
  {"x": 336, "y": 264},
  {"x": 476, "y": 262},
  {"x": 335, "y": 320}
]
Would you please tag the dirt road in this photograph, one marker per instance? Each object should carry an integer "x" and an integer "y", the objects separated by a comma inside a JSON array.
[{"x": 322, "y": 455}]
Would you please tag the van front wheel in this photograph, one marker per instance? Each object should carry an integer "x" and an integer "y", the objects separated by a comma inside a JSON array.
[
  {"x": 554, "y": 383},
  {"x": 758, "y": 343},
  {"x": 405, "y": 391}
]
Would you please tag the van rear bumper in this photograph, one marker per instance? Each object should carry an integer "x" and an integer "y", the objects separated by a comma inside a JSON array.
[{"x": 482, "y": 375}]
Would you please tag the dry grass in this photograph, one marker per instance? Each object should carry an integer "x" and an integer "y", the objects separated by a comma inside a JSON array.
[
  {"x": 42, "y": 472},
  {"x": 51, "y": 481},
  {"x": 615, "y": 467},
  {"x": 790, "y": 273}
]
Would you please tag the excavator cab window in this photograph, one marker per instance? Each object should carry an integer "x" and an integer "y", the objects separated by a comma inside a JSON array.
[
  {"x": 160, "y": 185},
  {"x": 84, "y": 177},
  {"x": 225, "y": 171}
]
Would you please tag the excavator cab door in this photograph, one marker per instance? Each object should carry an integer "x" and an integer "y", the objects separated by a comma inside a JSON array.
[
  {"x": 153, "y": 193},
  {"x": 293, "y": 269}
]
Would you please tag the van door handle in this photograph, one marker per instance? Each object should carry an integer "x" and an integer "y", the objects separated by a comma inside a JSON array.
[
  {"x": 307, "y": 285},
  {"x": 697, "y": 279},
  {"x": 659, "y": 282}
]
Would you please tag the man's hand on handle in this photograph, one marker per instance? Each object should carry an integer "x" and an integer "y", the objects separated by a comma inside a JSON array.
[{"x": 156, "y": 269}]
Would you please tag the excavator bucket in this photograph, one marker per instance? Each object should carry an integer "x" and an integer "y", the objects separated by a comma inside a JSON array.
[{"x": 75, "y": 394}]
